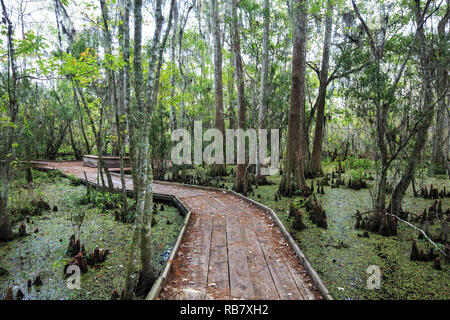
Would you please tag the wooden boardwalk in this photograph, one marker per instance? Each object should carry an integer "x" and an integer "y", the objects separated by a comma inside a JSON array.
[{"x": 231, "y": 249}]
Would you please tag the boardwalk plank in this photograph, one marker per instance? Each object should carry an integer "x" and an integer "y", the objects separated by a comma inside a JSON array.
[
  {"x": 301, "y": 285},
  {"x": 259, "y": 270},
  {"x": 241, "y": 285},
  {"x": 283, "y": 279},
  {"x": 196, "y": 287},
  {"x": 218, "y": 280}
]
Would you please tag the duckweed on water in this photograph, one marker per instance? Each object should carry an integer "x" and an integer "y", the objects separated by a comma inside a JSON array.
[
  {"x": 44, "y": 253},
  {"x": 341, "y": 257}
]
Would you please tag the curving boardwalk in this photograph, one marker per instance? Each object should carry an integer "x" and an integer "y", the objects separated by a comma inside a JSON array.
[{"x": 231, "y": 248}]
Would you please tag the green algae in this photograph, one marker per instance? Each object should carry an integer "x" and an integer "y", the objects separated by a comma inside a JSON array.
[
  {"x": 341, "y": 257},
  {"x": 44, "y": 253}
]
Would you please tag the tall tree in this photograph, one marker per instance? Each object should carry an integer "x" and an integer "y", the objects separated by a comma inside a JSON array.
[
  {"x": 293, "y": 179},
  {"x": 181, "y": 63},
  {"x": 427, "y": 110},
  {"x": 240, "y": 180},
  {"x": 118, "y": 94},
  {"x": 384, "y": 93},
  {"x": 218, "y": 169},
  {"x": 134, "y": 116},
  {"x": 5, "y": 224},
  {"x": 148, "y": 276},
  {"x": 438, "y": 161},
  {"x": 316, "y": 157},
  {"x": 140, "y": 119},
  {"x": 173, "y": 42},
  {"x": 263, "y": 99}
]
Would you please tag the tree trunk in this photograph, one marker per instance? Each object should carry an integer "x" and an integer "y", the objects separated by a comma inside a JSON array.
[
  {"x": 219, "y": 168},
  {"x": 80, "y": 114},
  {"x": 127, "y": 94},
  {"x": 98, "y": 139},
  {"x": 428, "y": 110},
  {"x": 76, "y": 151},
  {"x": 180, "y": 65},
  {"x": 316, "y": 158},
  {"x": 140, "y": 120},
  {"x": 240, "y": 181},
  {"x": 438, "y": 161},
  {"x": 148, "y": 277},
  {"x": 263, "y": 101},
  {"x": 293, "y": 179},
  {"x": 173, "y": 114},
  {"x": 118, "y": 101},
  {"x": 137, "y": 119},
  {"x": 230, "y": 88},
  {"x": 6, "y": 233}
]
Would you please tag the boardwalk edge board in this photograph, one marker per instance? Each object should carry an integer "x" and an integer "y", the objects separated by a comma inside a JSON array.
[
  {"x": 301, "y": 256},
  {"x": 161, "y": 281}
]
